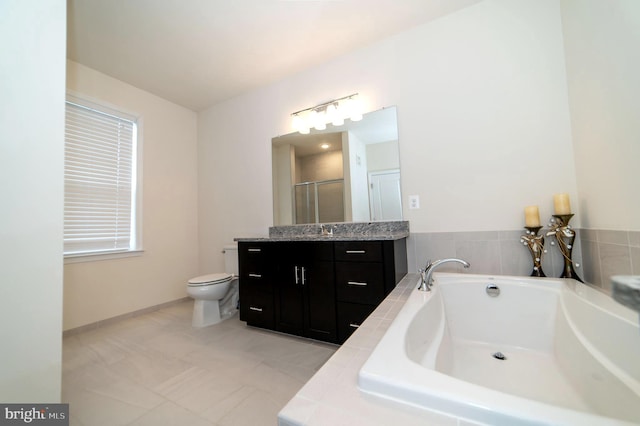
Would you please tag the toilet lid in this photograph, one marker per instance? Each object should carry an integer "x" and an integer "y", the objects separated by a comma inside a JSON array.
[{"x": 210, "y": 279}]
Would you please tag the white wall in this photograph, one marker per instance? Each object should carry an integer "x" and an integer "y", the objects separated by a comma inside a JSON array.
[
  {"x": 355, "y": 164},
  {"x": 482, "y": 114},
  {"x": 99, "y": 290},
  {"x": 32, "y": 42},
  {"x": 383, "y": 156},
  {"x": 602, "y": 45},
  {"x": 284, "y": 161}
]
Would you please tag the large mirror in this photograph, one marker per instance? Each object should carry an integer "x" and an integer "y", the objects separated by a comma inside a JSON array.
[{"x": 348, "y": 173}]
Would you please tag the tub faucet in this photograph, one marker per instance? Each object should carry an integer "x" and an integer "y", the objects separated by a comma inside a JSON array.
[{"x": 426, "y": 273}]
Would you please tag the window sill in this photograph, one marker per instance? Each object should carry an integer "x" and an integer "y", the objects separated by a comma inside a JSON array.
[{"x": 95, "y": 257}]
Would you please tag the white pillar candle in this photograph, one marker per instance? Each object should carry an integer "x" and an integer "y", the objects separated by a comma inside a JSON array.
[
  {"x": 531, "y": 217},
  {"x": 561, "y": 204}
]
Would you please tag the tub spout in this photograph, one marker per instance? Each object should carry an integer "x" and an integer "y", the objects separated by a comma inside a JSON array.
[{"x": 427, "y": 281}]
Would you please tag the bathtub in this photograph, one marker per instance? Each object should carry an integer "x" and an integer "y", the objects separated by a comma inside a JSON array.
[{"x": 544, "y": 351}]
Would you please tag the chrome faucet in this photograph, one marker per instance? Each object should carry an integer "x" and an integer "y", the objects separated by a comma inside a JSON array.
[
  {"x": 325, "y": 230},
  {"x": 426, "y": 280}
]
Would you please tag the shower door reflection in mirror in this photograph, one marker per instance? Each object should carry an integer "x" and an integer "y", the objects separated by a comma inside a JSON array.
[{"x": 319, "y": 202}]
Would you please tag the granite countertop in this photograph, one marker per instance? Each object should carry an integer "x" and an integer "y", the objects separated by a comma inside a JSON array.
[
  {"x": 343, "y": 237},
  {"x": 625, "y": 289},
  {"x": 332, "y": 397},
  {"x": 357, "y": 231}
]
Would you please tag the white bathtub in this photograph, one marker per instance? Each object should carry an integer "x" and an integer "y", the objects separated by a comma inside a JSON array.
[{"x": 572, "y": 353}]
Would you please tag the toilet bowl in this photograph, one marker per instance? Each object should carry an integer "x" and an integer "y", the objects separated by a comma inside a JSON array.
[{"x": 215, "y": 295}]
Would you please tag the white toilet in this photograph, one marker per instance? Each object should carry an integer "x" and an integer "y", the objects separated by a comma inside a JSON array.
[{"x": 216, "y": 295}]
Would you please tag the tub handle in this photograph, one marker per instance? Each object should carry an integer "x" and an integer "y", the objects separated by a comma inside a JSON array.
[
  {"x": 252, "y": 308},
  {"x": 255, "y": 250},
  {"x": 354, "y": 325},
  {"x": 356, "y": 283},
  {"x": 255, "y": 275},
  {"x": 356, "y": 251}
]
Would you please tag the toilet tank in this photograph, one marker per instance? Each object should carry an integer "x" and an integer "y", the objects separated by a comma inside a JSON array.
[{"x": 231, "y": 259}]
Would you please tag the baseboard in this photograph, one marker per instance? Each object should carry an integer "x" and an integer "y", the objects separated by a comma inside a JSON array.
[{"x": 102, "y": 323}]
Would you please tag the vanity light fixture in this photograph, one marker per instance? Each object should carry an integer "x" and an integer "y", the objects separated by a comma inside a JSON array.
[{"x": 334, "y": 112}]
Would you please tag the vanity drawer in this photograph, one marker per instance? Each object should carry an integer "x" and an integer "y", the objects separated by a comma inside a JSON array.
[
  {"x": 253, "y": 255},
  {"x": 360, "y": 282},
  {"x": 257, "y": 306},
  {"x": 350, "y": 317},
  {"x": 358, "y": 251},
  {"x": 256, "y": 278},
  {"x": 254, "y": 264}
]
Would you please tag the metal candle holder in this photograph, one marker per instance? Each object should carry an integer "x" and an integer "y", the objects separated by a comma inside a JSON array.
[
  {"x": 565, "y": 235},
  {"x": 535, "y": 243}
]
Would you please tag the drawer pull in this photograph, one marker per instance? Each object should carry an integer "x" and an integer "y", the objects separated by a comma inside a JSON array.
[
  {"x": 356, "y": 251},
  {"x": 353, "y": 325},
  {"x": 252, "y": 308},
  {"x": 255, "y": 250},
  {"x": 356, "y": 283},
  {"x": 255, "y": 275}
]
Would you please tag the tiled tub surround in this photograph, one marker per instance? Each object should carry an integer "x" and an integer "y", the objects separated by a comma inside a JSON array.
[
  {"x": 606, "y": 253},
  {"x": 600, "y": 253},
  {"x": 488, "y": 252}
]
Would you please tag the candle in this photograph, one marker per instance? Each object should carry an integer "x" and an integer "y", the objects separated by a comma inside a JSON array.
[
  {"x": 561, "y": 204},
  {"x": 531, "y": 217}
]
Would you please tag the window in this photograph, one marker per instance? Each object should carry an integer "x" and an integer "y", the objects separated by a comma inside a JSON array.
[{"x": 100, "y": 173}]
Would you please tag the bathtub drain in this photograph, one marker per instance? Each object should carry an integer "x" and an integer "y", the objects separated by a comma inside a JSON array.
[{"x": 500, "y": 356}]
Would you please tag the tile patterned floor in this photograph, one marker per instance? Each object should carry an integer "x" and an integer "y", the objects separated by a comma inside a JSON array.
[{"x": 155, "y": 369}]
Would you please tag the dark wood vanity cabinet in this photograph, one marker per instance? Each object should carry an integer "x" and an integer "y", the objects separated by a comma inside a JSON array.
[{"x": 318, "y": 289}]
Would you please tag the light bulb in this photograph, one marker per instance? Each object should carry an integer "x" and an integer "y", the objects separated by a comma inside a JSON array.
[
  {"x": 318, "y": 120},
  {"x": 338, "y": 115},
  {"x": 297, "y": 122},
  {"x": 355, "y": 113},
  {"x": 330, "y": 113}
]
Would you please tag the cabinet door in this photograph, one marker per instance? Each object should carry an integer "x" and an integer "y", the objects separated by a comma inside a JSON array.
[
  {"x": 305, "y": 295},
  {"x": 320, "y": 301},
  {"x": 289, "y": 301}
]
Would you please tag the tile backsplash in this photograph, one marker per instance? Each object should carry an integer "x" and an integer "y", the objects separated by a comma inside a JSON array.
[
  {"x": 608, "y": 253},
  {"x": 599, "y": 253}
]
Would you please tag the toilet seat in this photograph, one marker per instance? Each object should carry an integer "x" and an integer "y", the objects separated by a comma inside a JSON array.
[{"x": 210, "y": 279}]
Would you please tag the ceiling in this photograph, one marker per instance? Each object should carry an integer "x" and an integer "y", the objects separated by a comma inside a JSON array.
[{"x": 197, "y": 53}]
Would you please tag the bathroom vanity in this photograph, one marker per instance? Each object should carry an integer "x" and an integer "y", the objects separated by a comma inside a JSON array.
[{"x": 300, "y": 282}]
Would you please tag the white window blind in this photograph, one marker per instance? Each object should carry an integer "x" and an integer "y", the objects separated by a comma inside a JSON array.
[{"x": 99, "y": 180}]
